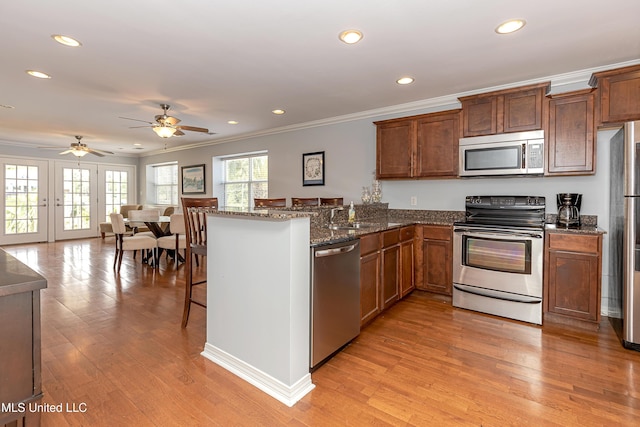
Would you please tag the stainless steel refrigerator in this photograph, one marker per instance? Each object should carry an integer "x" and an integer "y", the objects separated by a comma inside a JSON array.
[{"x": 624, "y": 232}]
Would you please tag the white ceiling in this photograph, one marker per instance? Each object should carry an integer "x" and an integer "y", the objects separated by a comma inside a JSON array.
[{"x": 216, "y": 61}]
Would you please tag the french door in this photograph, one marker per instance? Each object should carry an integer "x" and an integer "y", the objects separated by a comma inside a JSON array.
[
  {"x": 76, "y": 200},
  {"x": 24, "y": 210}
]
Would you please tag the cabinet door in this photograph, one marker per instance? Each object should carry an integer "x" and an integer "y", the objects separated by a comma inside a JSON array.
[
  {"x": 480, "y": 116},
  {"x": 437, "y": 266},
  {"x": 523, "y": 110},
  {"x": 573, "y": 284},
  {"x": 369, "y": 287},
  {"x": 620, "y": 95},
  {"x": 437, "y": 145},
  {"x": 394, "y": 149},
  {"x": 390, "y": 260},
  {"x": 571, "y": 141},
  {"x": 406, "y": 268}
]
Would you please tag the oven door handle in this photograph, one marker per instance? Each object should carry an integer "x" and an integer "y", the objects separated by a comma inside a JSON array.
[
  {"x": 497, "y": 233},
  {"x": 497, "y": 295}
]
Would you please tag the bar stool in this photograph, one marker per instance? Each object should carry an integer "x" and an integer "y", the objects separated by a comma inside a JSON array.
[
  {"x": 263, "y": 203},
  {"x": 304, "y": 201},
  {"x": 195, "y": 222},
  {"x": 331, "y": 201}
]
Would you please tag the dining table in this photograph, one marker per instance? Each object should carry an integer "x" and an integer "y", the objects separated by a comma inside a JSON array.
[{"x": 159, "y": 227}]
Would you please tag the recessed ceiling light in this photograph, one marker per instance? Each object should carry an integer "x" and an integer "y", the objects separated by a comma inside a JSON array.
[
  {"x": 232, "y": 122},
  {"x": 510, "y": 26},
  {"x": 404, "y": 80},
  {"x": 66, "y": 40},
  {"x": 278, "y": 112},
  {"x": 38, "y": 74},
  {"x": 350, "y": 36}
]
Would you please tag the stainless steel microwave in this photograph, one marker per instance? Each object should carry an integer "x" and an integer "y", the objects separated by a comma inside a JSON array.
[{"x": 518, "y": 153}]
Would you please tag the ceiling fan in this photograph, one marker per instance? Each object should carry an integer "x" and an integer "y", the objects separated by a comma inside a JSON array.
[
  {"x": 80, "y": 149},
  {"x": 167, "y": 126}
]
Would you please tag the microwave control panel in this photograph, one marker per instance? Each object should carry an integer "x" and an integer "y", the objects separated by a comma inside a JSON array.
[{"x": 535, "y": 155}]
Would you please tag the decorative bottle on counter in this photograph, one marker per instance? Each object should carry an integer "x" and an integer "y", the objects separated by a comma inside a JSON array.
[
  {"x": 352, "y": 214},
  {"x": 376, "y": 195},
  {"x": 366, "y": 195}
]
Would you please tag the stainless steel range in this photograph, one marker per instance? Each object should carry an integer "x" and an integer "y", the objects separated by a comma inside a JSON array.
[{"x": 497, "y": 257}]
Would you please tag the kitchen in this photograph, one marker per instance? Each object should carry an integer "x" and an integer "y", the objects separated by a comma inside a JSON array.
[{"x": 349, "y": 147}]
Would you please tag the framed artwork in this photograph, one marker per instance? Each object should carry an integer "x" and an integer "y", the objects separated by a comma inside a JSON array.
[
  {"x": 193, "y": 179},
  {"x": 313, "y": 168}
]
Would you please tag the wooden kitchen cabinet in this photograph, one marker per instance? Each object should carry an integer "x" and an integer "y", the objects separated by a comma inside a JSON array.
[
  {"x": 407, "y": 283},
  {"x": 390, "y": 267},
  {"x": 370, "y": 293},
  {"x": 572, "y": 279},
  {"x": 436, "y": 259},
  {"x": 618, "y": 97},
  {"x": 571, "y": 142},
  {"x": 418, "y": 146},
  {"x": 510, "y": 110}
]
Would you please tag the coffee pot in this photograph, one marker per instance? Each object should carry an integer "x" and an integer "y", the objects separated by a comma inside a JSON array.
[{"x": 569, "y": 210}]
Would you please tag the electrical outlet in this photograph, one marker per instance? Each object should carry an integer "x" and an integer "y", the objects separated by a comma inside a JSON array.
[{"x": 414, "y": 201}]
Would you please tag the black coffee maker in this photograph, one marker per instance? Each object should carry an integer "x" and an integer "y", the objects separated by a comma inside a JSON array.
[{"x": 569, "y": 210}]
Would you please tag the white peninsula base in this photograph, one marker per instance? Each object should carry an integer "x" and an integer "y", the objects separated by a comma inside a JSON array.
[{"x": 258, "y": 301}]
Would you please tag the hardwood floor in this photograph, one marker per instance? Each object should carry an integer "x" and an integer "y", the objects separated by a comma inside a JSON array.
[{"x": 115, "y": 344}]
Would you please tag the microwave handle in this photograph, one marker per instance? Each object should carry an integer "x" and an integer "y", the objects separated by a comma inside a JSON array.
[{"x": 524, "y": 155}]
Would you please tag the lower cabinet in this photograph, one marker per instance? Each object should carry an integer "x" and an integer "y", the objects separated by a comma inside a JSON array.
[
  {"x": 572, "y": 279},
  {"x": 436, "y": 259},
  {"x": 386, "y": 270},
  {"x": 390, "y": 267},
  {"x": 407, "y": 266},
  {"x": 370, "y": 305}
]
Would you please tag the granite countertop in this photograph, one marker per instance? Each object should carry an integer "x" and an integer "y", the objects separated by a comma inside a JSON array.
[
  {"x": 276, "y": 213},
  {"x": 583, "y": 229},
  {"x": 322, "y": 235}
]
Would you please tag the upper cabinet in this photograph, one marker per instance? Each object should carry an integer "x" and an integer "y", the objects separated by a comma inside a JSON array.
[
  {"x": 418, "y": 146},
  {"x": 511, "y": 110},
  {"x": 571, "y": 136},
  {"x": 619, "y": 95}
]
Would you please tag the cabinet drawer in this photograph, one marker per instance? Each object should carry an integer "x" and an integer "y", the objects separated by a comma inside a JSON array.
[
  {"x": 369, "y": 243},
  {"x": 407, "y": 233},
  {"x": 390, "y": 237},
  {"x": 436, "y": 232},
  {"x": 574, "y": 242}
]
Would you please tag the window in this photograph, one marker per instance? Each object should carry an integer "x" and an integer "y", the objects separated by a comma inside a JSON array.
[
  {"x": 116, "y": 191},
  {"x": 245, "y": 178},
  {"x": 164, "y": 184}
]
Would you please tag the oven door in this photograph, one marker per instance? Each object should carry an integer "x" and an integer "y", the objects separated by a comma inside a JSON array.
[{"x": 498, "y": 259}]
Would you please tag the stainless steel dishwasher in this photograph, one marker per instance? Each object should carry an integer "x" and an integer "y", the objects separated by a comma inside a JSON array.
[{"x": 335, "y": 298}]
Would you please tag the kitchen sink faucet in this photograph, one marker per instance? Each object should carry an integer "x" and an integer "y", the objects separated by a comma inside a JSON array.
[{"x": 333, "y": 213}]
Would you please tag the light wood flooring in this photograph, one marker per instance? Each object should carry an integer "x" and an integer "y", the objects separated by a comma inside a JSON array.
[{"x": 115, "y": 344}]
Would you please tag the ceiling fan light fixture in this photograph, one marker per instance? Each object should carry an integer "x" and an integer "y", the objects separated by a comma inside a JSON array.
[
  {"x": 164, "y": 131},
  {"x": 66, "y": 40},
  {"x": 79, "y": 153}
]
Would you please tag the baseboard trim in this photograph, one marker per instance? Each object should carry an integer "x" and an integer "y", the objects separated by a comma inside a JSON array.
[{"x": 289, "y": 395}]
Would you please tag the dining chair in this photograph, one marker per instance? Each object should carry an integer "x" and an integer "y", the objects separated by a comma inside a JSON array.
[
  {"x": 331, "y": 201},
  {"x": 195, "y": 222},
  {"x": 272, "y": 203},
  {"x": 105, "y": 227},
  {"x": 130, "y": 243},
  {"x": 177, "y": 240},
  {"x": 304, "y": 201}
]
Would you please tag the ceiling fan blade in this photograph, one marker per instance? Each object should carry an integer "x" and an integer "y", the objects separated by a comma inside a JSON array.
[
  {"x": 90, "y": 151},
  {"x": 50, "y": 148},
  {"x": 67, "y": 152},
  {"x": 138, "y": 127},
  {"x": 178, "y": 132},
  {"x": 193, "y": 129},
  {"x": 98, "y": 152},
  {"x": 137, "y": 120}
]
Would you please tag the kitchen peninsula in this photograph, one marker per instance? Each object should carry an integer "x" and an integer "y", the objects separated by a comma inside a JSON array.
[{"x": 258, "y": 299}]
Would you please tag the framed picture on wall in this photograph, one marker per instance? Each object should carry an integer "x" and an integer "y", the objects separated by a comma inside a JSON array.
[
  {"x": 193, "y": 179},
  {"x": 313, "y": 168}
]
